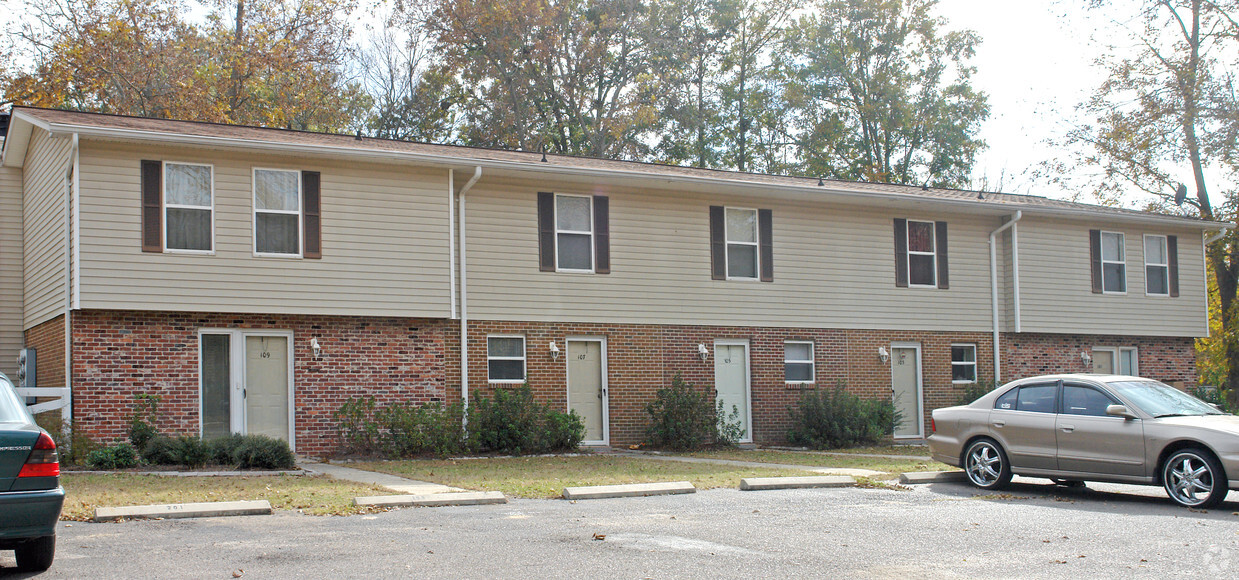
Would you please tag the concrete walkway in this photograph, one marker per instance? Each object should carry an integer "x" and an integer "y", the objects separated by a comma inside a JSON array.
[
  {"x": 392, "y": 482},
  {"x": 823, "y": 470}
]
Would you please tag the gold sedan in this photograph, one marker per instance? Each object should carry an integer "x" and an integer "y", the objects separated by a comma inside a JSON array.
[{"x": 1083, "y": 427}]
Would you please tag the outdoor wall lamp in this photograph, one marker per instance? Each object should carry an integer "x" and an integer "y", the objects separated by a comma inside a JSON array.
[
  {"x": 883, "y": 356},
  {"x": 1087, "y": 358},
  {"x": 703, "y": 352},
  {"x": 317, "y": 348},
  {"x": 554, "y": 350}
]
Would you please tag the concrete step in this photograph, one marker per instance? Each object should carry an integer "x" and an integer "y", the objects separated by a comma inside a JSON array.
[{"x": 931, "y": 477}]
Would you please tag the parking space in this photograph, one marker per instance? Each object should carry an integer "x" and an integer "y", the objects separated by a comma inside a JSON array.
[{"x": 1034, "y": 529}]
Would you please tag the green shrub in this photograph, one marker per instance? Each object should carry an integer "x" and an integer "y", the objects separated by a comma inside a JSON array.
[
  {"x": 72, "y": 445},
  {"x": 224, "y": 449},
  {"x": 834, "y": 418},
  {"x": 356, "y": 425},
  {"x": 974, "y": 391},
  {"x": 262, "y": 452},
  {"x": 728, "y": 428},
  {"x": 142, "y": 421},
  {"x": 121, "y": 456},
  {"x": 161, "y": 450},
  {"x": 430, "y": 429},
  {"x": 681, "y": 417},
  {"x": 512, "y": 422},
  {"x": 1213, "y": 395}
]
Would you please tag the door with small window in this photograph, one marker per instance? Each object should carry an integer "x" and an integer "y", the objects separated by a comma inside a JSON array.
[{"x": 245, "y": 380}]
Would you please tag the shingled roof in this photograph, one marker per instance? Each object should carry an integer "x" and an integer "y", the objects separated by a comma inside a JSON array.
[{"x": 215, "y": 133}]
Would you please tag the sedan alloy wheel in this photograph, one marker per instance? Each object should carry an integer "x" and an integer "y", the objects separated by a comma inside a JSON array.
[
  {"x": 1193, "y": 478},
  {"x": 986, "y": 465}
]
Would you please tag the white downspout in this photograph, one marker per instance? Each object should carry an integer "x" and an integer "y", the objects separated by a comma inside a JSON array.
[
  {"x": 66, "y": 412},
  {"x": 451, "y": 237},
  {"x": 993, "y": 281},
  {"x": 464, "y": 300}
]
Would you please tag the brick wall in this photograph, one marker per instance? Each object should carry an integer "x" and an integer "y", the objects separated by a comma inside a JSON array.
[
  {"x": 48, "y": 340},
  {"x": 119, "y": 354},
  {"x": 1168, "y": 359}
]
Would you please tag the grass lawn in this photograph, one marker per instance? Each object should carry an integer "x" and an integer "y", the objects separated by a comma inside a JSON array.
[
  {"x": 892, "y": 466},
  {"x": 312, "y": 495},
  {"x": 546, "y": 477},
  {"x": 882, "y": 450}
]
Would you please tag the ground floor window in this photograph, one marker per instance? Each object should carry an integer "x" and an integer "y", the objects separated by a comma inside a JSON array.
[
  {"x": 963, "y": 363},
  {"x": 798, "y": 361},
  {"x": 1120, "y": 360},
  {"x": 505, "y": 359}
]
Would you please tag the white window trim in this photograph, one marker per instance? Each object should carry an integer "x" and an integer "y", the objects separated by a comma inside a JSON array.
[
  {"x": 255, "y": 211},
  {"x": 1102, "y": 254},
  {"x": 727, "y": 243},
  {"x": 593, "y": 251},
  {"x": 973, "y": 364},
  {"x": 523, "y": 358},
  {"x": 810, "y": 361},
  {"x": 1117, "y": 352},
  {"x": 1165, "y": 265},
  {"x": 933, "y": 238},
  {"x": 163, "y": 192}
]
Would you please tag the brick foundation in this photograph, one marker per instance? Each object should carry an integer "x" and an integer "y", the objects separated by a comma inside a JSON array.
[
  {"x": 119, "y": 354},
  {"x": 48, "y": 340}
]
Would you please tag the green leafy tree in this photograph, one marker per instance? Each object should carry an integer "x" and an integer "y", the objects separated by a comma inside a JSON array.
[{"x": 878, "y": 91}]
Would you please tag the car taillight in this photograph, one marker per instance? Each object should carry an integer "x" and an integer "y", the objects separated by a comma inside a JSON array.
[
  {"x": 43, "y": 460},
  {"x": 933, "y": 427}
]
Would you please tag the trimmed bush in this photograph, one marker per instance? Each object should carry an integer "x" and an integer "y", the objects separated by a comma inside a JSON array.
[
  {"x": 185, "y": 450},
  {"x": 121, "y": 456},
  {"x": 142, "y": 421},
  {"x": 429, "y": 429},
  {"x": 512, "y": 422},
  {"x": 262, "y": 452},
  {"x": 681, "y": 417},
  {"x": 356, "y": 426},
  {"x": 834, "y": 418}
]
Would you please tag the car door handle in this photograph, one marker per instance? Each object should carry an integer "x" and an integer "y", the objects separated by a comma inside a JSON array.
[
  {"x": 1000, "y": 424},
  {"x": 1067, "y": 428}
]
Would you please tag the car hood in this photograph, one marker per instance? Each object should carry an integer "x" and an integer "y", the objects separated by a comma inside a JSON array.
[{"x": 1228, "y": 424}]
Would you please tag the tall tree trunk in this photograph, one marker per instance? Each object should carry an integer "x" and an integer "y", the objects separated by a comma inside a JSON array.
[{"x": 234, "y": 76}]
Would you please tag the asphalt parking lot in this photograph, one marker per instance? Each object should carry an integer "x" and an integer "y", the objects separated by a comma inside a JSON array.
[{"x": 941, "y": 530}]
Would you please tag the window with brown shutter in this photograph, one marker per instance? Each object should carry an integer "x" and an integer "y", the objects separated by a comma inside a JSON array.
[
  {"x": 574, "y": 233},
  {"x": 901, "y": 252},
  {"x": 718, "y": 244},
  {"x": 921, "y": 254},
  {"x": 943, "y": 269},
  {"x": 1172, "y": 255},
  {"x": 546, "y": 231},
  {"x": 1094, "y": 259},
  {"x": 765, "y": 228},
  {"x": 152, "y": 206},
  {"x": 311, "y": 186},
  {"x": 602, "y": 235},
  {"x": 741, "y": 244}
]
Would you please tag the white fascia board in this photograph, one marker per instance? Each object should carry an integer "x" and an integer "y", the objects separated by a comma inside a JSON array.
[
  {"x": 450, "y": 162},
  {"x": 20, "y": 127}
]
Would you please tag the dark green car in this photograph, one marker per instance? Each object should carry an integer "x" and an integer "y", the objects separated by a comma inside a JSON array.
[{"x": 30, "y": 492}]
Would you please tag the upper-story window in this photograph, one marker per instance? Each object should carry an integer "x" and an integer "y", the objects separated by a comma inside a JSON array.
[
  {"x": 1156, "y": 266},
  {"x": 1113, "y": 263},
  {"x": 574, "y": 233},
  {"x": 921, "y": 254},
  {"x": 741, "y": 244},
  {"x": 189, "y": 207},
  {"x": 277, "y": 212}
]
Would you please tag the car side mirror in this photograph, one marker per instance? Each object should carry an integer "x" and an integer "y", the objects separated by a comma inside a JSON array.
[
  {"x": 1216, "y": 406},
  {"x": 1120, "y": 411}
]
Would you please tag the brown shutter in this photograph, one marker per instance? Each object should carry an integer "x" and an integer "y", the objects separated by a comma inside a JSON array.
[
  {"x": 1094, "y": 256},
  {"x": 1172, "y": 263},
  {"x": 602, "y": 235},
  {"x": 944, "y": 276},
  {"x": 718, "y": 244},
  {"x": 546, "y": 231},
  {"x": 311, "y": 185},
  {"x": 901, "y": 252},
  {"x": 765, "y": 242},
  {"x": 152, "y": 206}
]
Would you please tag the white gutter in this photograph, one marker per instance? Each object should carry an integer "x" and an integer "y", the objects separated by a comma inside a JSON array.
[
  {"x": 451, "y": 238},
  {"x": 1219, "y": 234},
  {"x": 993, "y": 281},
  {"x": 449, "y": 161},
  {"x": 464, "y": 301}
]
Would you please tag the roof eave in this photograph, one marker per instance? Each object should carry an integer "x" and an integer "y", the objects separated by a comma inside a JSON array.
[{"x": 451, "y": 162}]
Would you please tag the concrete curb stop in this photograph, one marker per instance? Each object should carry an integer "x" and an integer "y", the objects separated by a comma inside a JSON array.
[
  {"x": 433, "y": 500},
  {"x": 185, "y": 510},
  {"x": 628, "y": 490},
  {"x": 930, "y": 477},
  {"x": 764, "y": 483}
]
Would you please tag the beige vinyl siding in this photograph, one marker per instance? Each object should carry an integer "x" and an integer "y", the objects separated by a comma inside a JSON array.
[
  {"x": 1056, "y": 291},
  {"x": 45, "y": 181},
  {"x": 11, "y": 337},
  {"x": 833, "y": 266},
  {"x": 384, "y": 239}
]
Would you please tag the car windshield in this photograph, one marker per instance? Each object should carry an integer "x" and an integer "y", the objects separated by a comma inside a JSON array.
[
  {"x": 1162, "y": 400},
  {"x": 12, "y": 409}
]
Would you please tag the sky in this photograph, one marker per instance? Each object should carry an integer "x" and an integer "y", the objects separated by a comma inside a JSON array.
[{"x": 1036, "y": 65}]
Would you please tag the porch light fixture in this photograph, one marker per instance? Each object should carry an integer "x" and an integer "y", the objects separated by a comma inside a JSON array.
[
  {"x": 1087, "y": 358},
  {"x": 883, "y": 356},
  {"x": 317, "y": 348},
  {"x": 703, "y": 352},
  {"x": 554, "y": 350}
]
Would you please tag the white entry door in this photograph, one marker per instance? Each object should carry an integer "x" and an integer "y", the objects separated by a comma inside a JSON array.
[
  {"x": 587, "y": 387},
  {"x": 731, "y": 381},
  {"x": 245, "y": 380},
  {"x": 906, "y": 390}
]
